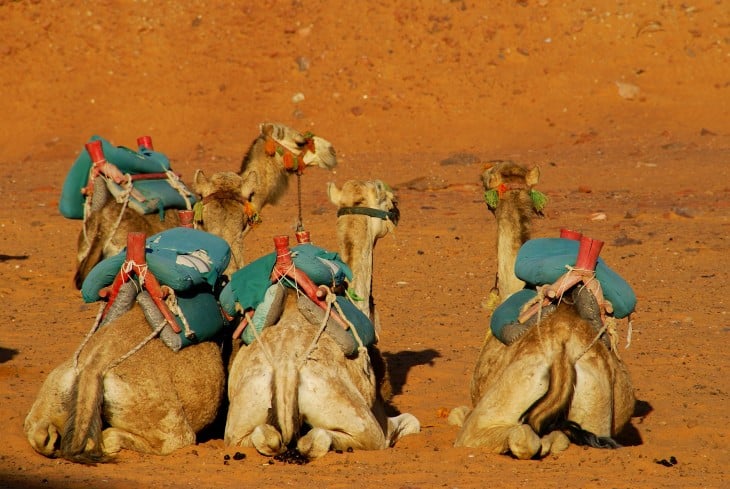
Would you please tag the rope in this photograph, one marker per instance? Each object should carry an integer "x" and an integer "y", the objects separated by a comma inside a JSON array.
[
  {"x": 88, "y": 336},
  {"x": 267, "y": 353},
  {"x": 178, "y": 185},
  {"x": 329, "y": 299},
  {"x": 174, "y": 307},
  {"x": 134, "y": 350},
  {"x": 124, "y": 200},
  {"x": 300, "y": 224}
]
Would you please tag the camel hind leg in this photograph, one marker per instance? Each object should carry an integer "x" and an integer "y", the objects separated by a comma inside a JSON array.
[
  {"x": 495, "y": 422},
  {"x": 339, "y": 416},
  {"x": 248, "y": 422}
]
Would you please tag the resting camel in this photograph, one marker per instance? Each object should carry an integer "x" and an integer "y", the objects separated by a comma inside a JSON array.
[
  {"x": 554, "y": 383},
  {"x": 293, "y": 375},
  {"x": 123, "y": 388},
  {"x": 276, "y": 153},
  {"x": 154, "y": 401}
]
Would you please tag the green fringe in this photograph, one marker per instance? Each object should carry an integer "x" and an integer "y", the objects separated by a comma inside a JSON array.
[
  {"x": 539, "y": 200},
  {"x": 198, "y": 211},
  {"x": 491, "y": 197}
]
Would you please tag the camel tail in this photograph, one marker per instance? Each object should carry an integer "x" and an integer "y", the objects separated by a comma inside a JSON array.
[
  {"x": 286, "y": 399},
  {"x": 81, "y": 441},
  {"x": 554, "y": 405},
  {"x": 579, "y": 436}
]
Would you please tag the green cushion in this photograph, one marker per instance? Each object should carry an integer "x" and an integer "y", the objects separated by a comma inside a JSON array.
[
  {"x": 71, "y": 203},
  {"x": 181, "y": 258}
]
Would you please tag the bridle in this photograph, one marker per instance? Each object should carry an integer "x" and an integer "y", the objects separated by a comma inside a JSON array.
[
  {"x": 252, "y": 216},
  {"x": 392, "y": 216}
]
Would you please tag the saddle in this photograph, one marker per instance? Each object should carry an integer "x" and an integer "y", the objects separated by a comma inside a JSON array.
[
  {"x": 317, "y": 275},
  {"x": 142, "y": 178},
  {"x": 175, "y": 274},
  {"x": 565, "y": 268}
]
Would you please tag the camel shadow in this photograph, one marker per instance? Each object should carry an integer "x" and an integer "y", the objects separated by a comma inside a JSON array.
[
  {"x": 4, "y": 258},
  {"x": 630, "y": 435},
  {"x": 7, "y": 354},
  {"x": 399, "y": 364}
]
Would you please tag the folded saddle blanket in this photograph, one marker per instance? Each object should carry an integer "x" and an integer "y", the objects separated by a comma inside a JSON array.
[
  {"x": 543, "y": 261},
  {"x": 156, "y": 194},
  {"x": 190, "y": 262},
  {"x": 251, "y": 287}
]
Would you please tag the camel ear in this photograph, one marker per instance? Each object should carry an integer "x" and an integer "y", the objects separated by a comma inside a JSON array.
[
  {"x": 491, "y": 179},
  {"x": 248, "y": 186},
  {"x": 334, "y": 193},
  {"x": 267, "y": 129},
  {"x": 201, "y": 184},
  {"x": 533, "y": 175}
]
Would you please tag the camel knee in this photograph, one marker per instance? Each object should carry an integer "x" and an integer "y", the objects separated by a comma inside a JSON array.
[
  {"x": 267, "y": 440},
  {"x": 523, "y": 442}
]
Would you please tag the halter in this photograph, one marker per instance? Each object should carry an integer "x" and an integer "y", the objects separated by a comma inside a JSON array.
[
  {"x": 293, "y": 163},
  {"x": 252, "y": 216},
  {"x": 368, "y": 211}
]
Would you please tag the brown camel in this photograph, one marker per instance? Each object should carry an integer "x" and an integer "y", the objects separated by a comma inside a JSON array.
[
  {"x": 294, "y": 374},
  {"x": 555, "y": 383}
]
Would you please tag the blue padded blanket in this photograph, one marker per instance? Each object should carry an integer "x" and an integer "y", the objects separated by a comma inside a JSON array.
[{"x": 181, "y": 258}]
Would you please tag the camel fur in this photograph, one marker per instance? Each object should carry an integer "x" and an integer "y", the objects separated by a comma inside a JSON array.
[
  {"x": 553, "y": 385},
  {"x": 296, "y": 375}
]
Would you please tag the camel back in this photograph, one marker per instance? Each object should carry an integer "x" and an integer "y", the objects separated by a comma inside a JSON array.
[{"x": 543, "y": 261}]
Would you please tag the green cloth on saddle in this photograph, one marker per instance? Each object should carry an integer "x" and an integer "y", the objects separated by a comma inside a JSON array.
[
  {"x": 249, "y": 284},
  {"x": 543, "y": 261},
  {"x": 71, "y": 203},
  {"x": 181, "y": 258}
]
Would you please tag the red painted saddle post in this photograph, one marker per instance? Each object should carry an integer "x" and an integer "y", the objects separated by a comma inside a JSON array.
[
  {"x": 136, "y": 263},
  {"x": 284, "y": 267}
]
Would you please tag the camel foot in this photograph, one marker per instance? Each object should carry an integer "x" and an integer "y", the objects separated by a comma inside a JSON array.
[
  {"x": 315, "y": 444},
  {"x": 267, "y": 440},
  {"x": 402, "y": 425},
  {"x": 554, "y": 442},
  {"x": 523, "y": 442},
  {"x": 458, "y": 415}
]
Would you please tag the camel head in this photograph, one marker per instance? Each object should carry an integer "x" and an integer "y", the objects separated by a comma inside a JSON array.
[
  {"x": 314, "y": 150},
  {"x": 501, "y": 177},
  {"x": 373, "y": 199},
  {"x": 225, "y": 209}
]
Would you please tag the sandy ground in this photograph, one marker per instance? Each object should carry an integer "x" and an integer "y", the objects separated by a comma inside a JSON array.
[{"x": 624, "y": 107}]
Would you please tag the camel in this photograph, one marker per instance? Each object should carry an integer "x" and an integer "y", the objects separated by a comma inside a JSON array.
[
  {"x": 293, "y": 375},
  {"x": 554, "y": 383},
  {"x": 155, "y": 401},
  {"x": 276, "y": 153}
]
